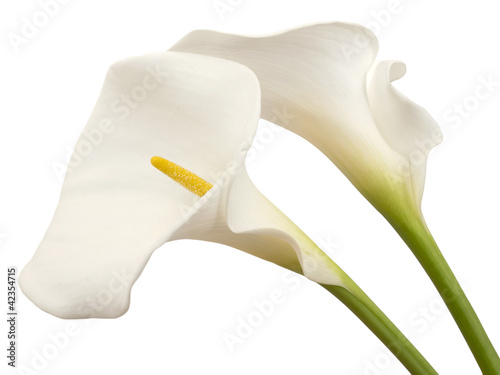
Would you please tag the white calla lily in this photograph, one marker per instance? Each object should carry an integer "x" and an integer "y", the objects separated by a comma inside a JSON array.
[
  {"x": 192, "y": 120},
  {"x": 345, "y": 105},
  {"x": 115, "y": 208}
]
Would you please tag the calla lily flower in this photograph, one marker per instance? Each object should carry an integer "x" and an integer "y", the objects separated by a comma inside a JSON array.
[
  {"x": 344, "y": 103},
  {"x": 324, "y": 75},
  {"x": 169, "y": 165},
  {"x": 194, "y": 121}
]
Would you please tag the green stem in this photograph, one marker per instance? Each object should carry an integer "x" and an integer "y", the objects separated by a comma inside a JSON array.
[
  {"x": 366, "y": 310},
  {"x": 419, "y": 239}
]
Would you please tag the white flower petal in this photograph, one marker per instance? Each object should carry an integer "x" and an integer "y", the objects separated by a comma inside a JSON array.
[
  {"x": 257, "y": 216},
  {"x": 115, "y": 208},
  {"x": 407, "y": 127},
  {"x": 248, "y": 221}
]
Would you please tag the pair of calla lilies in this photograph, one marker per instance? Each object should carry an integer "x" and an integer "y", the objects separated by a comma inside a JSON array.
[{"x": 192, "y": 113}]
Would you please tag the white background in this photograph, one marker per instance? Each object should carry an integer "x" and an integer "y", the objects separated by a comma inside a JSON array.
[{"x": 191, "y": 293}]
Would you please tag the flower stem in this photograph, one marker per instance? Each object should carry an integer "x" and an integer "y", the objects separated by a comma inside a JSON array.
[
  {"x": 418, "y": 237},
  {"x": 366, "y": 310}
]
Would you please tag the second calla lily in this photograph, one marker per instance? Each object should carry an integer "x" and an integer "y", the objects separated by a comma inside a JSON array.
[
  {"x": 344, "y": 104},
  {"x": 162, "y": 159}
]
